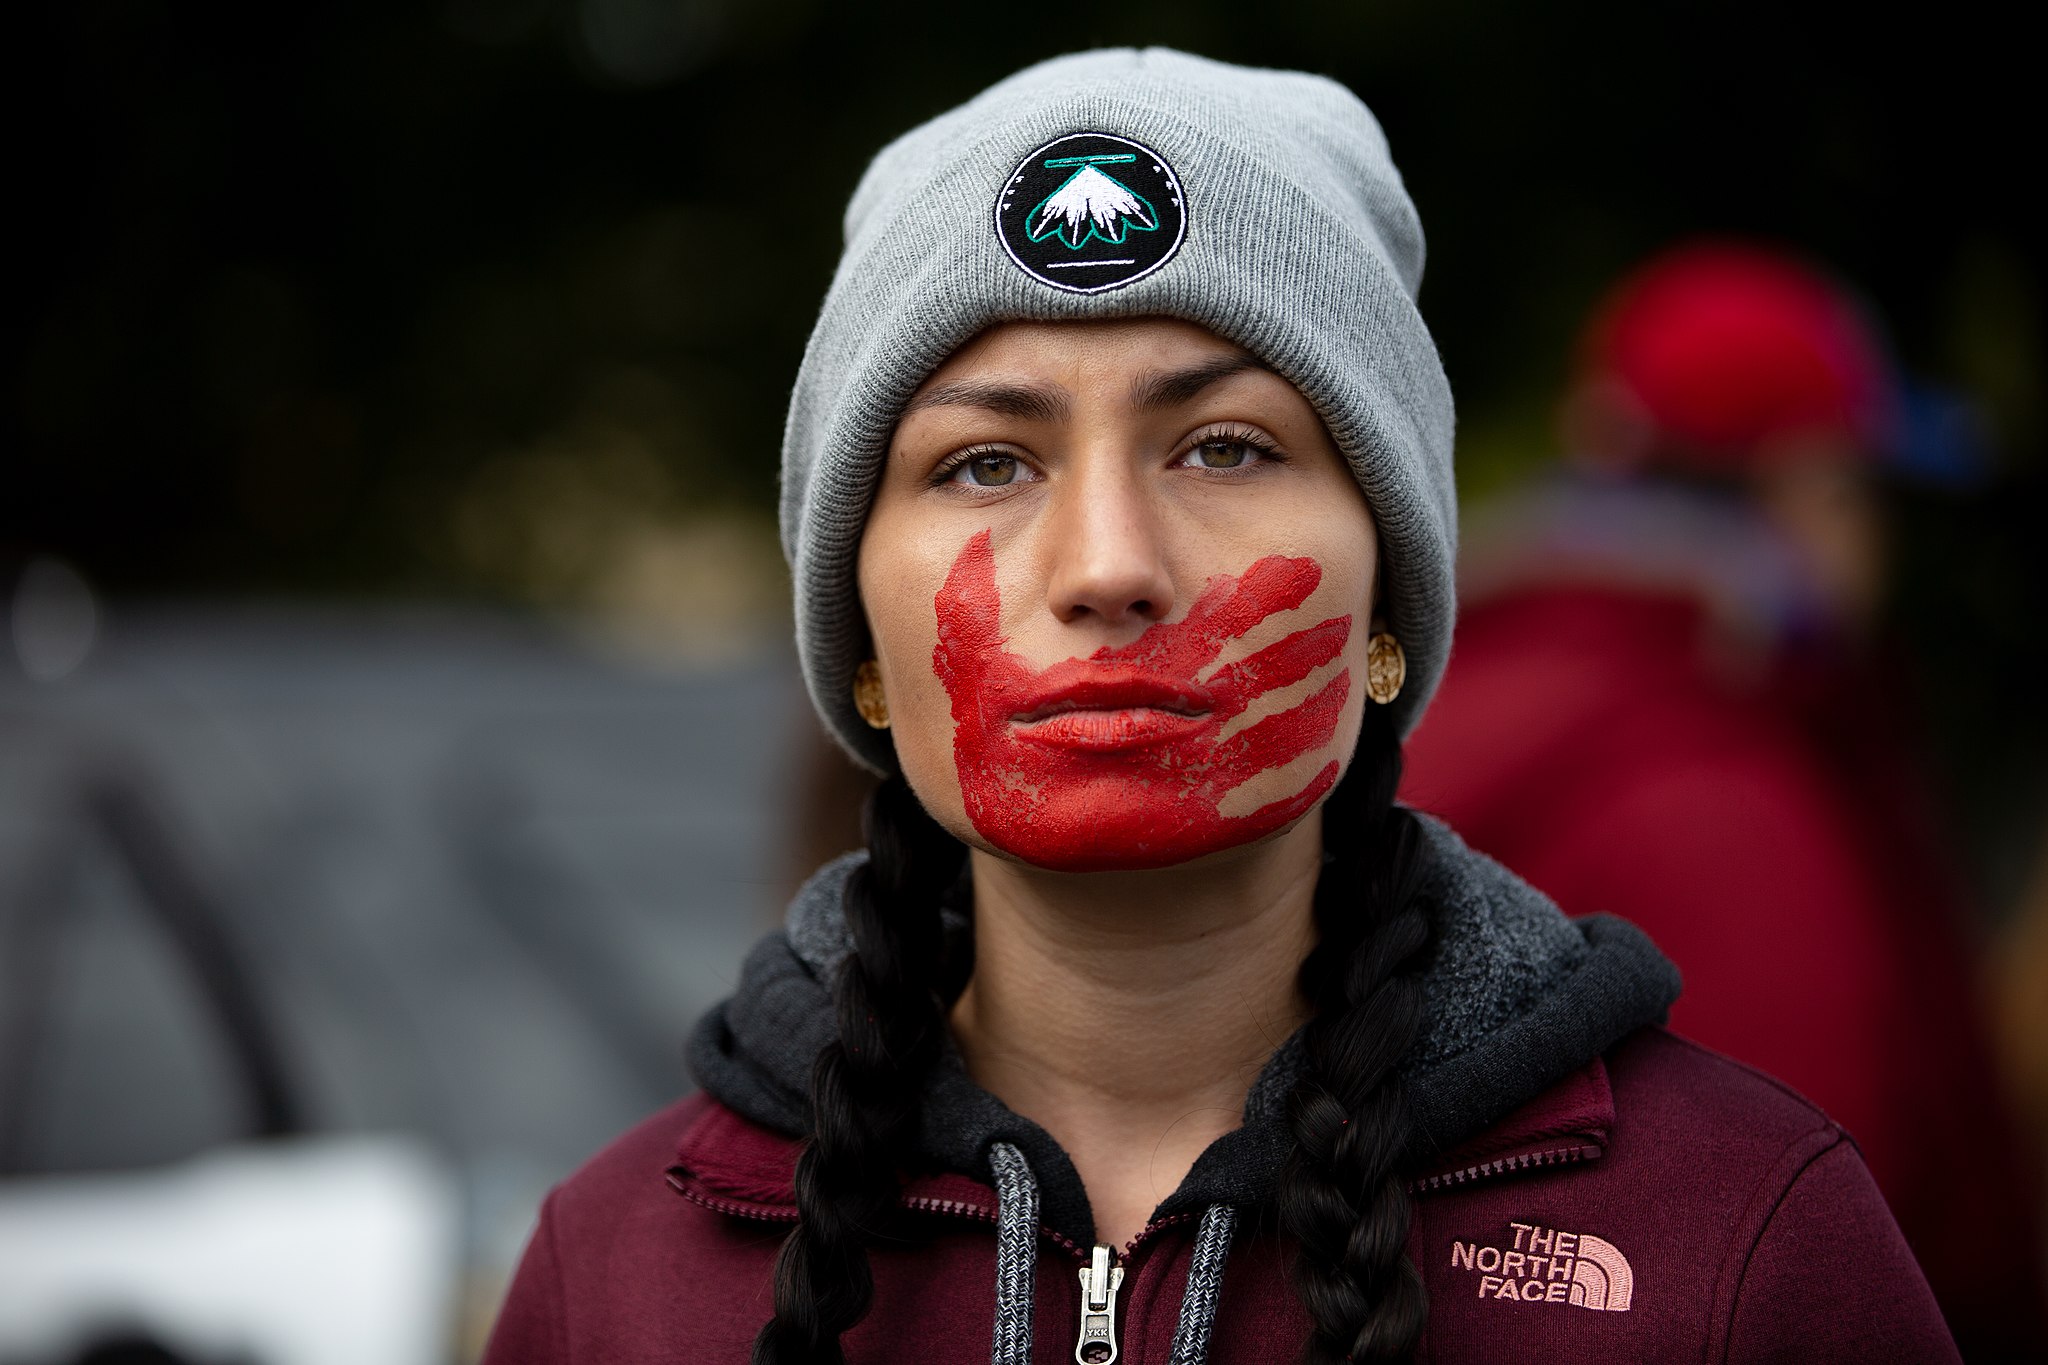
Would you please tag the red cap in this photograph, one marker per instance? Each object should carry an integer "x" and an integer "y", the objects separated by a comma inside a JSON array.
[{"x": 1731, "y": 354}]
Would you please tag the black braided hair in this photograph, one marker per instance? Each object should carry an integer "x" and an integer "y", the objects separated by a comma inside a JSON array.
[
  {"x": 867, "y": 1086},
  {"x": 1342, "y": 1198},
  {"x": 1344, "y": 1194}
]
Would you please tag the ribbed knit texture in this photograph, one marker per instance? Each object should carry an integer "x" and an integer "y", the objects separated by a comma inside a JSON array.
[{"x": 1302, "y": 247}]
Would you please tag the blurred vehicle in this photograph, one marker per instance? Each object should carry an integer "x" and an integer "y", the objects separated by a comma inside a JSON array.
[
  {"x": 318, "y": 1251},
  {"x": 328, "y": 941}
]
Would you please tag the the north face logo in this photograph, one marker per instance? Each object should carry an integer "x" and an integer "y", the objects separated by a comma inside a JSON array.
[{"x": 1548, "y": 1266}]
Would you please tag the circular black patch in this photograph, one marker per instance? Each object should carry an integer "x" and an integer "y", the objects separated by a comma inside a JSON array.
[{"x": 1091, "y": 211}]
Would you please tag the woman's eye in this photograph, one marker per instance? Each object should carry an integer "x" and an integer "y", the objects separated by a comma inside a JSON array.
[
  {"x": 988, "y": 471},
  {"x": 1222, "y": 454}
]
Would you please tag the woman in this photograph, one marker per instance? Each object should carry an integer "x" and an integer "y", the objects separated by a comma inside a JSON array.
[{"x": 1117, "y": 493}]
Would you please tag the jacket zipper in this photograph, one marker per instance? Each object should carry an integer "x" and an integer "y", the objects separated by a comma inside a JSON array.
[
  {"x": 1521, "y": 1161},
  {"x": 956, "y": 1208},
  {"x": 1103, "y": 1274},
  {"x": 1100, "y": 1279},
  {"x": 786, "y": 1213},
  {"x": 766, "y": 1213}
]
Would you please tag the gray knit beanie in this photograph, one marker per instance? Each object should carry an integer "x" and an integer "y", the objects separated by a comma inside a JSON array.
[{"x": 1261, "y": 205}]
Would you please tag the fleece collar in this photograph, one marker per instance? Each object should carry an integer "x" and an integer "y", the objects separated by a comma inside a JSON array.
[{"x": 1519, "y": 998}]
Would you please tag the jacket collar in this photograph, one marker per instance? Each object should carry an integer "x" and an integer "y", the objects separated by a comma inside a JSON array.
[
  {"x": 732, "y": 1164},
  {"x": 1518, "y": 998}
]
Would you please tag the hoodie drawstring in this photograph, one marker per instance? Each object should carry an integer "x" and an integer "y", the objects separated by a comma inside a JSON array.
[
  {"x": 1017, "y": 1261},
  {"x": 1205, "y": 1284},
  {"x": 1016, "y": 1254}
]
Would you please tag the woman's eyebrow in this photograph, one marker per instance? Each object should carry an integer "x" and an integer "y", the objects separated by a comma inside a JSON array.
[
  {"x": 1033, "y": 402},
  {"x": 1174, "y": 387}
]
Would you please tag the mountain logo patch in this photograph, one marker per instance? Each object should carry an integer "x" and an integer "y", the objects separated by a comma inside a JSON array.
[{"x": 1091, "y": 211}]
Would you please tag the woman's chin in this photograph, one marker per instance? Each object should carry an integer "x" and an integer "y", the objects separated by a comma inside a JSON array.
[{"x": 1127, "y": 840}]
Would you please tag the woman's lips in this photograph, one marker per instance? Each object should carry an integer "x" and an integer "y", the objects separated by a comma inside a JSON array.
[
  {"x": 1107, "y": 731},
  {"x": 1110, "y": 710}
]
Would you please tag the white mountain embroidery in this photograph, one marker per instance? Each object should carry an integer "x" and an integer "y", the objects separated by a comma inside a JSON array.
[{"x": 1090, "y": 204}]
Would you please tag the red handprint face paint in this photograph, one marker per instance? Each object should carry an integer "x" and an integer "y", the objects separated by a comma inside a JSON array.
[{"x": 1119, "y": 760}]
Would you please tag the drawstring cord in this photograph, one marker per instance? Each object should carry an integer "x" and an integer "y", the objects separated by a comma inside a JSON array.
[
  {"x": 1017, "y": 1262},
  {"x": 1205, "y": 1284},
  {"x": 1016, "y": 1254}
]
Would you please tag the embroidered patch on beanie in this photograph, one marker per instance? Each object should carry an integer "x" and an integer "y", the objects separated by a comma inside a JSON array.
[{"x": 1091, "y": 211}]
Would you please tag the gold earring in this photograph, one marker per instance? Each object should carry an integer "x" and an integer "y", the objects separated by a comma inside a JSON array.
[
  {"x": 1386, "y": 668},
  {"x": 867, "y": 695}
]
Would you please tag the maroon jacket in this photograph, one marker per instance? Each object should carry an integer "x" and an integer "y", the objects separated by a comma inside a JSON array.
[
  {"x": 1592, "y": 1188},
  {"x": 1769, "y": 852},
  {"x": 1620, "y": 1216}
]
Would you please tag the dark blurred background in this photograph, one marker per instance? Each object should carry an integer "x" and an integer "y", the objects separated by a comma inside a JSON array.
[
  {"x": 394, "y": 399},
  {"x": 480, "y": 298}
]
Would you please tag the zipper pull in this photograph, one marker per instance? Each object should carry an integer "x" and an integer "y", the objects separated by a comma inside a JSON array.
[{"x": 1099, "y": 1282}]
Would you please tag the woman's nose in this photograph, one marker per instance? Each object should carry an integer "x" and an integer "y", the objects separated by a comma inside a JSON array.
[{"x": 1107, "y": 556}]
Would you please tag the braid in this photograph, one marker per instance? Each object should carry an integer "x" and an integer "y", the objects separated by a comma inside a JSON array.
[
  {"x": 1343, "y": 1196},
  {"x": 866, "y": 1086}
]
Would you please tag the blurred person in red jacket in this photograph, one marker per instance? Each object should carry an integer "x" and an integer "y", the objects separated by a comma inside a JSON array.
[{"x": 1665, "y": 702}]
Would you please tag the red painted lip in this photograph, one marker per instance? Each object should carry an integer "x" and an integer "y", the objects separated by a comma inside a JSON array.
[
  {"x": 1111, "y": 709},
  {"x": 1076, "y": 687},
  {"x": 1109, "y": 731}
]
